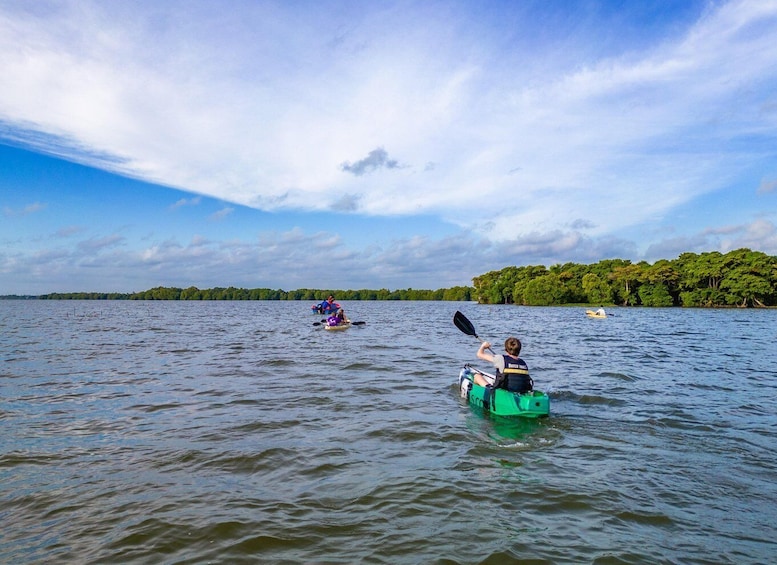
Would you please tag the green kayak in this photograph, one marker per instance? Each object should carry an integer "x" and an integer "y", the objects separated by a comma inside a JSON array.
[{"x": 501, "y": 402}]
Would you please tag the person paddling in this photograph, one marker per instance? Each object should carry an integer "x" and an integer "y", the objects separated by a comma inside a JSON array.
[
  {"x": 512, "y": 373},
  {"x": 328, "y": 306},
  {"x": 338, "y": 319}
]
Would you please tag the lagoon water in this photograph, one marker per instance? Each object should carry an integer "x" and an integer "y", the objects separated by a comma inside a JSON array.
[{"x": 239, "y": 432}]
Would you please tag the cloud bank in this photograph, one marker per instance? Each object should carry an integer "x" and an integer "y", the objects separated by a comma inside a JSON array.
[{"x": 539, "y": 132}]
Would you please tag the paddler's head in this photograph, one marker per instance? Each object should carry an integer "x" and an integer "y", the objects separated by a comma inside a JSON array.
[{"x": 513, "y": 346}]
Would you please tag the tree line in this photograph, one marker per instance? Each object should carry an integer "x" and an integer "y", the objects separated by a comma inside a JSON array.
[
  {"x": 741, "y": 278},
  {"x": 232, "y": 293}
]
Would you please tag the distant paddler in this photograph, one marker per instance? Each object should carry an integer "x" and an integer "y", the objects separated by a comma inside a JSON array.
[
  {"x": 338, "y": 319},
  {"x": 600, "y": 313},
  {"x": 328, "y": 306}
]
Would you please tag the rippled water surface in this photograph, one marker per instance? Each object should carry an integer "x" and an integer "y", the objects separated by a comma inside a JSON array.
[{"x": 239, "y": 432}]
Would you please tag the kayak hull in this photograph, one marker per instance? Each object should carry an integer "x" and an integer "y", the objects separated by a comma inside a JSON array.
[
  {"x": 338, "y": 327},
  {"x": 323, "y": 311},
  {"x": 501, "y": 402}
]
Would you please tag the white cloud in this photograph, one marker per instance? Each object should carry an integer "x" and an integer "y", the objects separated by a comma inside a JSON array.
[
  {"x": 397, "y": 110},
  {"x": 761, "y": 235}
]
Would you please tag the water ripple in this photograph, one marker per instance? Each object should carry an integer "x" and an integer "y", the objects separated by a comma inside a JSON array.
[{"x": 152, "y": 432}]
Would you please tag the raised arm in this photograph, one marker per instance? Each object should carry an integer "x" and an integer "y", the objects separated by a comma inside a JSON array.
[{"x": 483, "y": 354}]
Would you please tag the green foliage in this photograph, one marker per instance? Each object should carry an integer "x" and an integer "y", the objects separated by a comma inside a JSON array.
[
  {"x": 702, "y": 297},
  {"x": 507, "y": 286},
  {"x": 655, "y": 295},
  {"x": 596, "y": 290},
  {"x": 546, "y": 290},
  {"x": 572, "y": 275},
  {"x": 457, "y": 293},
  {"x": 627, "y": 277},
  {"x": 488, "y": 287},
  {"x": 742, "y": 278}
]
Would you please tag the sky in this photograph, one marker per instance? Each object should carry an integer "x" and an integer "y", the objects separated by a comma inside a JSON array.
[{"x": 368, "y": 145}]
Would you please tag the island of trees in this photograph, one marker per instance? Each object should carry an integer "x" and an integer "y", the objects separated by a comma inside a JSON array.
[{"x": 741, "y": 278}]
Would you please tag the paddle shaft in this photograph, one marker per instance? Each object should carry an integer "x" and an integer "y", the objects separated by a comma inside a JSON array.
[
  {"x": 488, "y": 376},
  {"x": 352, "y": 323}
]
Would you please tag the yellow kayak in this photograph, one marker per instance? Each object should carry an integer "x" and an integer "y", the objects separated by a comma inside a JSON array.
[
  {"x": 592, "y": 314},
  {"x": 344, "y": 326}
]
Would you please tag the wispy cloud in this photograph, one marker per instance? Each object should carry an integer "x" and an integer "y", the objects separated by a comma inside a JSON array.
[
  {"x": 186, "y": 202},
  {"x": 767, "y": 186},
  {"x": 97, "y": 244},
  {"x": 69, "y": 231},
  {"x": 221, "y": 214},
  {"x": 24, "y": 211}
]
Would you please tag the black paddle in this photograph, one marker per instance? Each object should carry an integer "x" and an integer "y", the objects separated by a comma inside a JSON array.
[
  {"x": 352, "y": 323},
  {"x": 466, "y": 326}
]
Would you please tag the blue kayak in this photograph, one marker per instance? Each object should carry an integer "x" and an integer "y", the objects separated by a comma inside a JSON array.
[{"x": 325, "y": 308}]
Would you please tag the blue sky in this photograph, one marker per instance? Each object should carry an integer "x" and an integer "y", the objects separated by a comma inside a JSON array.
[{"x": 377, "y": 145}]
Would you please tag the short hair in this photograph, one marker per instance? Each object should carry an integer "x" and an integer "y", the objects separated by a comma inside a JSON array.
[{"x": 513, "y": 346}]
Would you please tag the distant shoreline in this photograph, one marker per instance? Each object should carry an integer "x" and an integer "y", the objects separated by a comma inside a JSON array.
[
  {"x": 741, "y": 278},
  {"x": 77, "y": 296},
  {"x": 461, "y": 293}
]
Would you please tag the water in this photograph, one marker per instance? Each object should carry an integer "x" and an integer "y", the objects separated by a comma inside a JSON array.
[{"x": 238, "y": 432}]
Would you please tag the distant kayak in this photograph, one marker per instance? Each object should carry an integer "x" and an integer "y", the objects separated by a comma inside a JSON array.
[
  {"x": 592, "y": 314},
  {"x": 319, "y": 309},
  {"x": 501, "y": 402}
]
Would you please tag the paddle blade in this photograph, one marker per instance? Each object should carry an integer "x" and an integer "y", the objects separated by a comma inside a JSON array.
[
  {"x": 358, "y": 323},
  {"x": 464, "y": 324}
]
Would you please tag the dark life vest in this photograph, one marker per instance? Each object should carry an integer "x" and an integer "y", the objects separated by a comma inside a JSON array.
[{"x": 515, "y": 377}]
